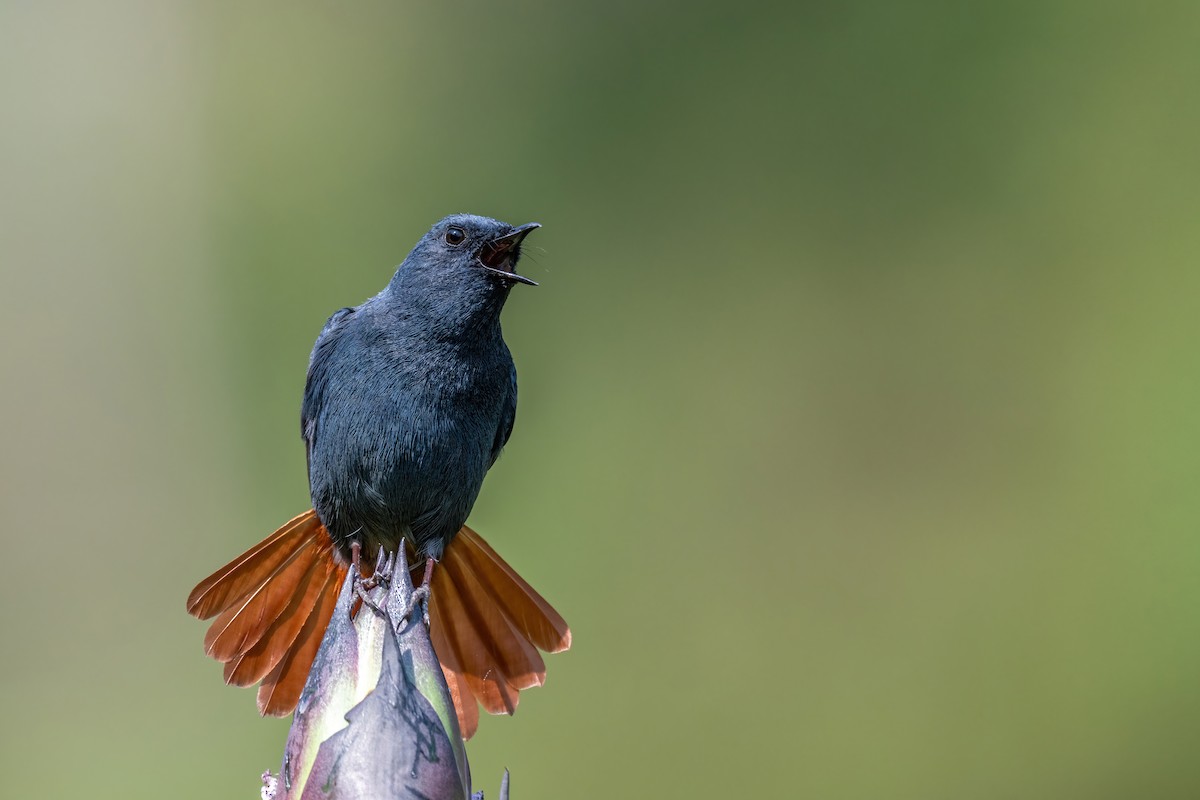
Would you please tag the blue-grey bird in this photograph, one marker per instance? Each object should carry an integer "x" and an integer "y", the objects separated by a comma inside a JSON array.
[{"x": 409, "y": 400}]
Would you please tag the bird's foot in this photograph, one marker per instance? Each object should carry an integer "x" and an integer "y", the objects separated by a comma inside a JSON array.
[
  {"x": 420, "y": 595},
  {"x": 418, "y": 599},
  {"x": 378, "y": 578},
  {"x": 363, "y": 586}
]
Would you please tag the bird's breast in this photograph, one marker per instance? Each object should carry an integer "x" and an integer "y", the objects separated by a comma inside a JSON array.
[{"x": 402, "y": 447}]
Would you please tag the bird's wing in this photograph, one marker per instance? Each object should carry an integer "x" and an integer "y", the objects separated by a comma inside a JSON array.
[
  {"x": 507, "y": 417},
  {"x": 317, "y": 380}
]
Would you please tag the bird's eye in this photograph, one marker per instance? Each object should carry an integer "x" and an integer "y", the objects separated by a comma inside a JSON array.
[{"x": 455, "y": 236}]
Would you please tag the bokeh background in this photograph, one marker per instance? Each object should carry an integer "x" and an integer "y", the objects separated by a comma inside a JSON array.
[{"x": 859, "y": 434}]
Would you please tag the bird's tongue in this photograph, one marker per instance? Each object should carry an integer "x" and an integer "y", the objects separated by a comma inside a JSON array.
[{"x": 497, "y": 256}]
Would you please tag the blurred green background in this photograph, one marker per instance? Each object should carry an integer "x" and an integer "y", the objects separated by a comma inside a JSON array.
[{"x": 859, "y": 433}]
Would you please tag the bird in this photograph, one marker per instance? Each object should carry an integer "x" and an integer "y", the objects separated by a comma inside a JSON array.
[{"x": 409, "y": 399}]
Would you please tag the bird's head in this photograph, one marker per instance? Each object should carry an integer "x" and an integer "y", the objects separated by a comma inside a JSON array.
[{"x": 465, "y": 265}]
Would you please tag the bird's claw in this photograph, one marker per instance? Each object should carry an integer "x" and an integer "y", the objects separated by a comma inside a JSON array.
[
  {"x": 380, "y": 577},
  {"x": 418, "y": 598},
  {"x": 384, "y": 565},
  {"x": 363, "y": 592}
]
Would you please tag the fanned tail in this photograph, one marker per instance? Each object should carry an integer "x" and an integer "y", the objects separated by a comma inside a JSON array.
[
  {"x": 273, "y": 603},
  {"x": 487, "y": 625}
]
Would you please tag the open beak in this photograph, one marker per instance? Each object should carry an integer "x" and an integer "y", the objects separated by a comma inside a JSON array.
[{"x": 499, "y": 256}]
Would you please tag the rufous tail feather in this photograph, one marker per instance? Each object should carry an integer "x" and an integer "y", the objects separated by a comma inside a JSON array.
[{"x": 273, "y": 603}]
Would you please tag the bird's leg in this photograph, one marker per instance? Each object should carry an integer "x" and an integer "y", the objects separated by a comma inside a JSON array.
[
  {"x": 378, "y": 576},
  {"x": 356, "y": 574},
  {"x": 364, "y": 585},
  {"x": 420, "y": 594}
]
